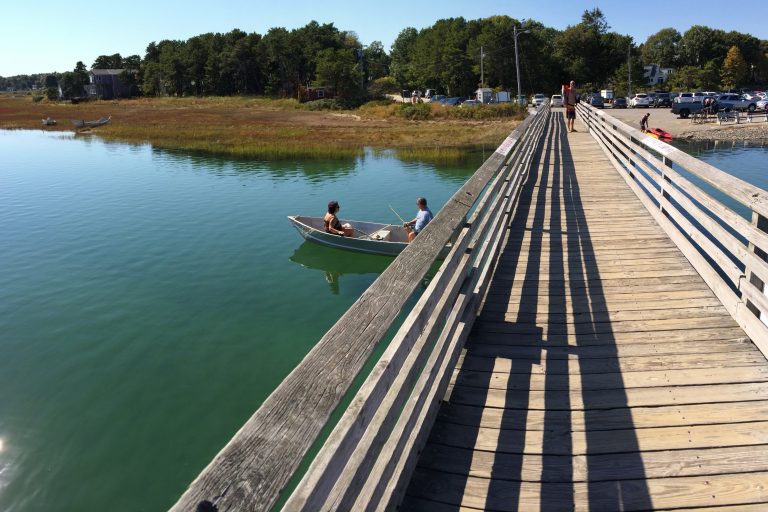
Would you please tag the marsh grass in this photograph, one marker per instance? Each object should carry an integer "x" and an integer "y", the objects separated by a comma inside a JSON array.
[
  {"x": 254, "y": 127},
  {"x": 437, "y": 155}
]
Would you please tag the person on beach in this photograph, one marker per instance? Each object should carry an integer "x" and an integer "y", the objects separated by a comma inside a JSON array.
[
  {"x": 423, "y": 217},
  {"x": 644, "y": 122},
  {"x": 570, "y": 99},
  {"x": 332, "y": 222}
]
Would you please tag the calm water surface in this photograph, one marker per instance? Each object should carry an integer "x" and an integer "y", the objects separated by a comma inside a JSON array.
[
  {"x": 746, "y": 161},
  {"x": 150, "y": 301}
]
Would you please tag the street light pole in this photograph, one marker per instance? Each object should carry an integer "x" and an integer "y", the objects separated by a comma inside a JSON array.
[
  {"x": 517, "y": 61},
  {"x": 482, "y": 74},
  {"x": 629, "y": 71}
]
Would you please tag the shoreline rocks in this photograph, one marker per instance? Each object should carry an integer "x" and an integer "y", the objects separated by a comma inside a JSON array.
[{"x": 741, "y": 133}]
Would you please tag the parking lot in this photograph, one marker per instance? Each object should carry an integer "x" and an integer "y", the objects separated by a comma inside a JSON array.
[{"x": 683, "y": 128}]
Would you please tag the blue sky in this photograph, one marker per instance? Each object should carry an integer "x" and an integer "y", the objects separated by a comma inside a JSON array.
[{"x": 45, "y": 36}]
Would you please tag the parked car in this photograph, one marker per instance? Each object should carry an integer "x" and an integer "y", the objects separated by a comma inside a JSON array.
[
  {"x": 685, "y": 109},
  {"x": 596, "y": 100},
  {"x": 673, "y": 95},
  {"x": 556, "y": 100},
  {"x": 451, "y": 102},
  {"x": 538, "y": 100},
  {"x": 730, "y": 102},
  {"x": 662, "y": 99},
  {"x": 471, "y": 103},
  {"x": 619, "y": 102},
  {"x": 699, "y": 96},
  {"x": 685, "y": 97},
  {"x": 761, "y": 104},
  {"x": 640, "y": 100}
]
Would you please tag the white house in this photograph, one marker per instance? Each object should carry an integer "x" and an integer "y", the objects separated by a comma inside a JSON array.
[{"x": 654, "y": 74}]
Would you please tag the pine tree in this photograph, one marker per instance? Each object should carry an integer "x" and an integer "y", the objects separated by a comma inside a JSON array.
[{"x": 734, "y": 70}]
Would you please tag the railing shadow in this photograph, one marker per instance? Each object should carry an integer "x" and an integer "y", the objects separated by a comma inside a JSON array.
[
  {"x": 532, "y": 353},
  {"x": 615, "y": 479}
]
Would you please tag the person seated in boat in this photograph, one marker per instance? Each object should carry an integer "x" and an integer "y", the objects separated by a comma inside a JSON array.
[
  {"x": 414, "y": 227},
  {"x": 331, "y": 221},
  {"x": 644, "y": 122}
]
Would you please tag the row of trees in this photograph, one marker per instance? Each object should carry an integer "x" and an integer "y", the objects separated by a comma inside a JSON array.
[
  {"x": 707, "y": 58},
  {"x": 447, "y": 56},
  {"x": 276, "y": 63},
  {"x": 453, "y": 56}
]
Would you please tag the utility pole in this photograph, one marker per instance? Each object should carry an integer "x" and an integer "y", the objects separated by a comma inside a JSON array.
[
  {"x": 482, "y": 73},
  {"x": 517, "y": 60},
  {"x": 629, "y": 72}
]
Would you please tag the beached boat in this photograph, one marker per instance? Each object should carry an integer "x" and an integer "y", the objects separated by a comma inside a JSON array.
[
  {"x": 369, "y": 237},
  {"x": 91, "y": 124},
  {"x": 660, "y": 134},
  {"x": 49, "y": 122}
]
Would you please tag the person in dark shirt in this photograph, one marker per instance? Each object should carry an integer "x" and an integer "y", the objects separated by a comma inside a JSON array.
[
  {"x": 644, "y": 122},
  {"x": 332, "y": 222}
]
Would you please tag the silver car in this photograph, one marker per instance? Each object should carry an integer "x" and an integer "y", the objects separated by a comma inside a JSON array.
[{"x": 730, "y": 102}]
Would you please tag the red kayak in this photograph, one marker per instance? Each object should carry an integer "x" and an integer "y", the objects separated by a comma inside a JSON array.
[{"x": 660, "y": 134}]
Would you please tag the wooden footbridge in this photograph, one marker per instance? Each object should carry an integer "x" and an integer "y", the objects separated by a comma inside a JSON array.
[{"x": 592, "y": 342}]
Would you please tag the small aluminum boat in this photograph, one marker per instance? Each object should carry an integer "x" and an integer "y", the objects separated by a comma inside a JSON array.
[{"x": 368, "y": 237}]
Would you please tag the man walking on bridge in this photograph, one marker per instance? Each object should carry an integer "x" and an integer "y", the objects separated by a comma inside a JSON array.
[{"x": 569, "y": 97}]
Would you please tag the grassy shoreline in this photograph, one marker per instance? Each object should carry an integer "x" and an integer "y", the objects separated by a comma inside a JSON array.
[{"x": 262, "y": 128}]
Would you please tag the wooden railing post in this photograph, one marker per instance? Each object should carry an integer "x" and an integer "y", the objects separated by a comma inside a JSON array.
[
  {"x": 666, "y": 181},
  {"x": 760, "y": 223}
]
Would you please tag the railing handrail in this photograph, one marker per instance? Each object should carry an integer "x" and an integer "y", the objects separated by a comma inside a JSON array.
[
  {"x": 736, "y": 272},
  {"x": 253, "y": 468}
]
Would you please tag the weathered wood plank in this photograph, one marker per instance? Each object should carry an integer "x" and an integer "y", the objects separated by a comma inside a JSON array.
[
  {"x": 596, "y": 442},
  {"x": 575, "y": 365},
  {"x": 595, "y": 468},
  {"x": 613, "y": 398},
  {"x": 607, "y": 420},
  {"x": 606, "y": 327},
  {"x": 629, "y": 495},
  {"x": 517, "y": 352},
  {"x": 479, "y": 373},
  {"x": 514, "y": 307}
]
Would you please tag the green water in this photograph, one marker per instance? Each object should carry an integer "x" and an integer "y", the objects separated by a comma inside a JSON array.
[{"x": 150, "y": 301}]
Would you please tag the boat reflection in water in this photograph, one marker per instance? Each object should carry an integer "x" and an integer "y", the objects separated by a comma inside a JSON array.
[{"x": 335, "y": 263}]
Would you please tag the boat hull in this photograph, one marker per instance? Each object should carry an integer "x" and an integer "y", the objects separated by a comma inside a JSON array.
[
  {"x": 660, "y": 134},
  {"x": 311, "y": 229}
]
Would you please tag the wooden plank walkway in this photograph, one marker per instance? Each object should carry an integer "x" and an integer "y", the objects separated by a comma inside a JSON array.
[{"x": 602, "y": 373}]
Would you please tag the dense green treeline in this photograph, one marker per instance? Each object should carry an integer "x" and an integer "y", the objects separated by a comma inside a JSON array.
[
  {"x": 276, "y": 63},
  {"x": 445, "y": 56}
]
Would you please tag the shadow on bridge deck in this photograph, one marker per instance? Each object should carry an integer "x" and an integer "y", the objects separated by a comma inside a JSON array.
[{"x": 508, "y": 439}]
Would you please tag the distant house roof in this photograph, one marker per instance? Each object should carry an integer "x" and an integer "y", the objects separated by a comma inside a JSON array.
[{"x": 107, "y": 71}]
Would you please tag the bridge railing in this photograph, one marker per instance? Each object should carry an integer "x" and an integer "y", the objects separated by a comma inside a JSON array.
[
  {"x": 726, "y": 248},
  {"x": 367, "y": 459}
]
